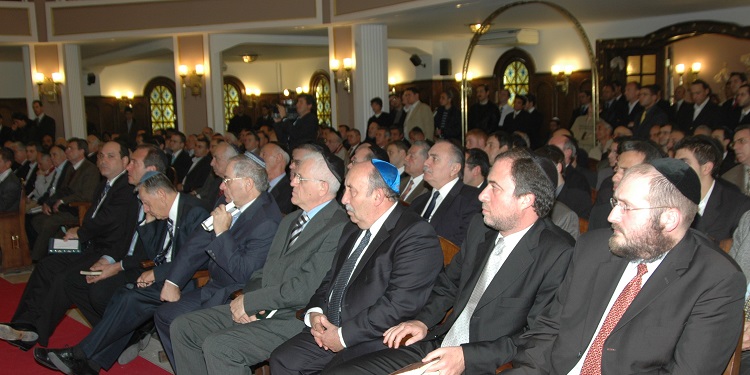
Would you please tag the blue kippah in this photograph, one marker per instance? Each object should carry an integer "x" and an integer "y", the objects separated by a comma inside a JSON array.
[
  {"x": 148, "y": 175},
  {"x": 389, "y": 172},
  {"x": 257, "y": 159}
]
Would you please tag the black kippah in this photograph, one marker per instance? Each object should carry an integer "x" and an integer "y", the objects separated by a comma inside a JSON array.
[{"x": 681, "y": 176}]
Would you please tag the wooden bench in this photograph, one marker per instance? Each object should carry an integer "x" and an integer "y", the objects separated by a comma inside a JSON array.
[{"x": 13, "y": 242}]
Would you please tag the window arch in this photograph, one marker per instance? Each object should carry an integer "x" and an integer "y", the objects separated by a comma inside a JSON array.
[
  {"x": 234, "y": 91},
  {"x": 514, "y": 70},
  {"x": 160, "y": 92},
  {"x": 320, "y": 85}
]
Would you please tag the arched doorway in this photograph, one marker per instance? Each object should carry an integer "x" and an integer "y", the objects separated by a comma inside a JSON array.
[{"x": 320, "y": 87}]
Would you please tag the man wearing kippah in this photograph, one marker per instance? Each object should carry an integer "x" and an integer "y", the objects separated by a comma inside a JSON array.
[
  {"x": 382, "y": 274},
  {"x": 654, "y": 296}
]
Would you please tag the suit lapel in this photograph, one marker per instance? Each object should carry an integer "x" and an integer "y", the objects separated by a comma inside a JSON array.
[
  {"x": 313, "y": 227},
  {"x": 484, "y": 249},
  {"x": 711, "y": 212},
  {"x": 383, "y": 234},
  {"x": 448, "y": 200},
  {"x": 604, "y": 285}
]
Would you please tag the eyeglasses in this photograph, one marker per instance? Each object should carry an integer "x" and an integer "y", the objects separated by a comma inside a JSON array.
[
  {"x": 616, "y": 203},
  {"x": 741, "y": 141},
  {"x": 299, "y": 178},
  {"x": 226, "y": 180}
]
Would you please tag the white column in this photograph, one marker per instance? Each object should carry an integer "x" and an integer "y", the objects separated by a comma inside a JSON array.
[
  {"x": 32, "y": 91},
  {"x": 74, "y": 111},
  {"x": 370, "y": 70},
  {"x": 215, "y": 86},
  {"x": 179, "y": 91}
]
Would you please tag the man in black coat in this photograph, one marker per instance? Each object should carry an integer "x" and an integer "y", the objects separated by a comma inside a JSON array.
[
  {"x": 171, "y": 217},
  {"x": 44, "y": 124},
  {"x": 104, "y": 233},
  {"x": 10, "y": 185},
  {"x": 292, "y": 133},
  {"x": 450, "y": 204},
  {"x": 703, "y": 111},
  {"x": 199, "y": 169},
  {"x": 651, "y": 115},
  {"x": 181, "y": 160},
  {"x": 512, "y": 253}
]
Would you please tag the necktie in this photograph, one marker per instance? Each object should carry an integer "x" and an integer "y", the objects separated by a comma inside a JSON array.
[
  {"x": 459, "y": 332},
  {"x": 134, "y": 241},
  {"x": 297, "y": 229},
  {"x": 431, "y": 206},
  {"x": 643, "y": 116},
  {"x": 107, "y": 186},
  {"x": 747, "y": 181},
  {"x": 339, "y": 285},
  {"x": 162, "y": 256},
  {"x": 408, "y": 189},
  {"x": 592, "y": 365},
  {"x": 500, "y": 123},
  {"x": 51, "y": 187}
]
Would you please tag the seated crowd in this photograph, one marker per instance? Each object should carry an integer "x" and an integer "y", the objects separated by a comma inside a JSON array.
[{"x": 323, "y": 247}]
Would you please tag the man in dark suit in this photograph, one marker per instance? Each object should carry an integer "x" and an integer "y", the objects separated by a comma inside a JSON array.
[
  {"x": 170, "y": 219},
  {"x": 704, "y": 111},
  {"x": 106, "y": 227},
  {"x": 574, "y": 178},
  {"x": 397, "y": 113},
  {"x": 663, "y": 299},
  {"x": 414, "y": 167},
  {"x": 181, "y": 160},
  {"x": 301, "y": 253},
  {"x": 632, "y": 109},
  {"x": 379, "y": 116},
  {"x": 450, "y": 204},
  {"x": 279, "y": 182},
  {"x": 476, "y": 168},
  {"x": 94, "y": 145},
  {"x": 230, "y": 258},
  {"x": 60, "y": 176},
  {"x": 56, "y": 211},
  {"x": 576, "y": 199},
  {"x": 584, "y": 98},
  {"x": 131, "y": 127},
  {"x": 382, "y": 274},
  {"x": 535, "y": 123},
  {"x": 741, "y": 116},
  {"x": 731, "y": 107},
  {"x": 210, "y": 191},
  {"x": 679, "y": 103},
  {"x": 304, "y": 129},
  {"x": 6, "y": 132},
  {"x": 199, "y": 169},
  {"x": 512, "y": 253},
  {"x": 483, "y": 114},
  {"x": 724, "y": 136},
  {"x": 722, "y": 204},
  {"x": 519, "y": 119},
  {"x": 44, "y": 124},
  {"x": 651, "y": 115},
  {"x": 612, "y": 110},
  {"x": 10, "y": 185}
]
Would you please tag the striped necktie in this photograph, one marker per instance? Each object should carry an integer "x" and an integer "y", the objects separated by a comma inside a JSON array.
[
  {"x": 299, "y": 224},
  {"x": 342, "y": 280}
]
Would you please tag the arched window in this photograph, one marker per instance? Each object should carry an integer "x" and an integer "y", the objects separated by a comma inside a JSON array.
[
  {"x": 233, "y": 91},
  {"x": 320, "y": 85},
  {"x": 160, "y": 93},
  {"x": 514, "y": 70}
]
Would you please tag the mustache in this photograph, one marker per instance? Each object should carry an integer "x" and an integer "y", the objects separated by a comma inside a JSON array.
[{"x": 349, "y": 208}]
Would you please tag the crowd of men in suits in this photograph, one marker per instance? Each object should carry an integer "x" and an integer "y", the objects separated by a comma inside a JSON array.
[{"x": 323, "y": 252}]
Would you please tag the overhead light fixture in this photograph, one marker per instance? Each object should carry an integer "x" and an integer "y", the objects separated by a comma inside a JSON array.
[
  {"x": 192, "y": 80},
  {"x": 249, "y": 57},
  {"x": 474, "y": 27}
]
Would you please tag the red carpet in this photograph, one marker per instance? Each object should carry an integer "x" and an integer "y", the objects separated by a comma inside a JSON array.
[{"x": 69, "y": 332}]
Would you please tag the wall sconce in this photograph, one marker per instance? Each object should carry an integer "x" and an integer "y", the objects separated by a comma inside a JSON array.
[
  {"x": 286, "y": 92},
  {"x": 680, "y": 69},
  {"x": 469, "y": 76},
  {"x": 253, "y": 96},
  {"x": 301, "y": 89},
  {"x": 695, "y": 69},
  {"x": 249, "y": 57},
  {"x": 192, "y": 80},
  {"x": 562, "y": 77},
  {"x": 345, "y": 77},
  {"x": 126, "y": 102},
  {"x": 49, "y": 87},
  {"x": 392, "y": 85}
]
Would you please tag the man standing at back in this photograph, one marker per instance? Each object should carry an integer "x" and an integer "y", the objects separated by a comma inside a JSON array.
[
  {"x": 418, "y": 114},
  {"x": 382, "y": 274},
  {"x": 303, "y": 129}
]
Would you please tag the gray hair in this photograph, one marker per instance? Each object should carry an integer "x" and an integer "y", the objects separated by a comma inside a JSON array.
[
  {"x": 156, "y": 182},
  {"x": 245, "y": 167},
  {"x": 320, "y": 171},
  {"x": 424, "y": 148}
]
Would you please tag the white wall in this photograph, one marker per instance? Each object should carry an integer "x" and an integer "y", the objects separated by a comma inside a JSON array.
[
  {"x": 265, "y": 75},
  {"x": 12, "y": 82},
  {"x": 132, "y": 76}
]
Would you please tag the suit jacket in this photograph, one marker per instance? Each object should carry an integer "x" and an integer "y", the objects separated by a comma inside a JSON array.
[
  {"x": 451, "y": 219},
  {"x": 525, "y": 284},
  {"x": 385, "y": 119},
  {"x": 419, "y": 189},
  {"x": 45, "y": 127},
  {"x": 483, "y": 116},
  {"x": 294, "y": 133},
  {"x": 64, "y": 178},
  {"x": 565, "y": 218},
  {"x": 616, "y": 114},
  {"x": 80, "y": 186},
  {"x": 578, "y": 200},
  {"x": 740, "y": 251},
  {"x": 710, "y": 115},
  {"x": 209, "y": 192},
  {"x": 575, "y": 179},
  {"x": 535, "y": 129},
  {"x": 10, "y": 193},
  {"x": 292, "y": 273},
  {"x": 724, "y": 208},
  {"x": 134, "y": 128},
  {"x": 398, "y": 117},
  {"x": 231, "y": 257},
  {"x": 110, "y": 231},
  {"x": 182, "y": 164},
  {"x": 23, "y": 169},
  {"x": 736, "y": 176},
  {"x": 451, "y": 129},
  {"x": 282, "y": 194},
  {"x": 654, "y": 116},
  {"x": 517, "y": 122},
  {"x": 728, "y": 162},
  {"x": 686, "y": 319},
  {"x": 6, "y": 134},
  {"x": 601, "y": 208},
  {"x": 196, "y": 177},
  {"x": 152, "y": 235},
  {"x": 579, "y": 111},
  {"x": 420, "y": 116},
  {"x": 391, "y": 282}
]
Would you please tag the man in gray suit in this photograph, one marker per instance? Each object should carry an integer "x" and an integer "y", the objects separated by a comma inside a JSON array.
[{"x": 230, "y": 338}]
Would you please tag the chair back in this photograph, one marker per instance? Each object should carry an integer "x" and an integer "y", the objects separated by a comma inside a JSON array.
[
  {"x": 13, "y": 242},
  {"x": 449, "y": 250}
]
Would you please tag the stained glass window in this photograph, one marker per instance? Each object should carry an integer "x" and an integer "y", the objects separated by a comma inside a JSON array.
[
  {"x": 161, "y": 100},
  {"x": 231, "y": 100},
  {"x": 322, "y": 91},
  {"x": 516, "y": 79}
]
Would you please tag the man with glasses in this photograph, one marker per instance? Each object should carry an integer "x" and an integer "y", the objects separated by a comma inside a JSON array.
[
  {"x": 263, "y": 316},
  {"x": 740, "y": 174},
  {"x": 651, "y": 297}
]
